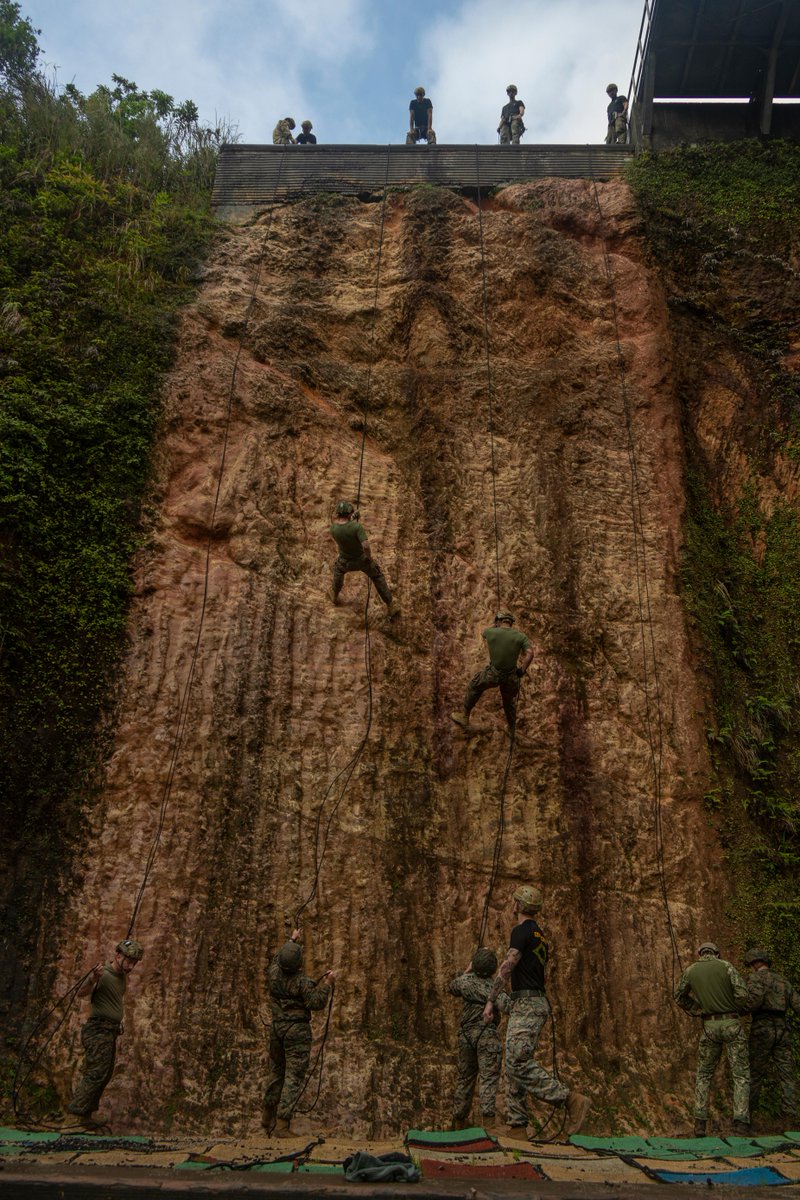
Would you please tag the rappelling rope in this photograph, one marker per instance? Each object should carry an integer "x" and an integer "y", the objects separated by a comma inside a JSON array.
[
  {"x": 501, "y": 820},
  {"x": 180, "y": 726},
  {"x": 183, "y": 711},
  {"x": 348, "y": 769},
  {"x": 18, "y": 1083},
  {"x": 653, "y": 722}
]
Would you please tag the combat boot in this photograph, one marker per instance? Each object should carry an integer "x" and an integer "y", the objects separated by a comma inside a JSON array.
[
  {"x": 577, "y": 1106},
  {"x": 490, "y": 1124},
  {"x": 460, "y": 718},
  {"x": 520, "y": 1132},
  {"x": 268, "y": 1115},
  {"x": 283, "y": 1129},
  {"x": 700, "y": 1128},
  {"x": 741, "y": 1128},
  {"x": 393, "y": 610},
  {"x": 334, "y": 595}
]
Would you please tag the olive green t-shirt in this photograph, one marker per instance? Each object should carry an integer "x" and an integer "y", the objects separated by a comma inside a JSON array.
[
  {"x": 108, "y": 994},
  {"x": 715, "y": 984},
  {"x": 348, "y": 538},
  {"x": 505, "y": 646}
]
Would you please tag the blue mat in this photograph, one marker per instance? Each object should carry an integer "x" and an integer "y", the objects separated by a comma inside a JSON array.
[{"x": 744, "y": 1177}]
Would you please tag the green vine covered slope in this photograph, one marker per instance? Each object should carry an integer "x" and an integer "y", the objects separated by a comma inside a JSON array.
[
  {"x": 104, "y": 214},
  {"x": 724, "y": 225}
]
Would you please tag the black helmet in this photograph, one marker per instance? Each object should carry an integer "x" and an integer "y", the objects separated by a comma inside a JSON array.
[
  {"x": 290, "y": 958},
  {"x": 344, "y": 508},
  {"x": 757, "y": 954},
  {"x": 484, "y": 962}
]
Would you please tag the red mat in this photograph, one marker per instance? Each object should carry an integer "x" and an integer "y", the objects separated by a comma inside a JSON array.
[{"x": 455, "y": 1170}]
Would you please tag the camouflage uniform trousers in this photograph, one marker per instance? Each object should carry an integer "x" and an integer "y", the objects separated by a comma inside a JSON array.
[
  {"x": 290, "y": 1052},
  {"x": 726, "y": 1033},
  {"x": 489, "y": 677},
  {"x": 480, "y": 1055},
  {"x": 523, "y": 1075},
  {"x": 343, "y": 566},
  {"x": 420, "y": 135},
  {"x": 99, "y": 1041},
  {"x": 769, "y": 1039},
  {"x": 617, "y": 130},
  {"x": 511, "y": 132}
]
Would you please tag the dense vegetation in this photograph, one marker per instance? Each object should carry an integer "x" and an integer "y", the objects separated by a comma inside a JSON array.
[
  {"x": 724, "y": 223},
  {"x": 104, "y": 214}
]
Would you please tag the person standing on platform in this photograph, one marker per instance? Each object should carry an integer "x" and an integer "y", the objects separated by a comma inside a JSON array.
[
  {"x": 511, "y": 127},
  {"x": 617, "y": 131},
  {"x": 420, "y": 120},
  {"x": 306, "y": 138}
]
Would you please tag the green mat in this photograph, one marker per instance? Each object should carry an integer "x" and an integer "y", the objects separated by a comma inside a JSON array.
[
  {"x": 24, "y": 1136},
  {"x": 312, "y": 1168},
  {"x": 447, "y": 1137},
  {"x": 275, "y": 1168}
]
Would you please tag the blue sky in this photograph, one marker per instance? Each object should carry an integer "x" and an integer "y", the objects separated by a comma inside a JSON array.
[{"x": 351, "y": 66}]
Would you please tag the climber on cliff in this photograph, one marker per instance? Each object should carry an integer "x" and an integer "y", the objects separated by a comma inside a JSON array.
[
  {"x": 713, "y": 989},
  {"x": 355, "y": 555},
  {"x": 420, "y": 120},
  {"x": 529, "y": 1008},
  {"x": 480, "y": 1051},
  {"x": 293, "y": 998},
  {"x": 282, "y": 133},
  {"x": 504, "y": 671},
  {"x": 511, "y": 127},
  {"x": 106, "y": 985}
]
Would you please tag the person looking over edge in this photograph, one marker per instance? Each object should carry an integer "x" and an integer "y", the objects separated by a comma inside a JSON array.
[
  {"x": 617, "y": 116},
  {"x": 293, "y": 997},
  {"x": 713, "y": 989},
  {"x": 106, "y": 985},
  {"x": 355, "y": 555},
  {"x": 524, "y": 965},
  {"x": 511, "y": 127},
  {"x": 503, "y": 672},
  {"x": 420, "y": 120},
  {"x": 282, "y": 133}
]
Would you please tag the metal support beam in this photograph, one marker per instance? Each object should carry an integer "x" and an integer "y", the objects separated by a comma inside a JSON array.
[{"x": 765, "y": 115}]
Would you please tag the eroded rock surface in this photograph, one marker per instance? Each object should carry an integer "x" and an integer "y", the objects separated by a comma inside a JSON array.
[{"x": 589, "y": 485}]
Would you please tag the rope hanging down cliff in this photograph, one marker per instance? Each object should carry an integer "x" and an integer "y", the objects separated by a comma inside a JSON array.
[
  {"x": 501, "y": 818},
  {"x": 350, "y": 766},
  {"x": 68, "y": 998},
  {"x": 653, "y": 721},
  {"x": 183, "y": 710}
]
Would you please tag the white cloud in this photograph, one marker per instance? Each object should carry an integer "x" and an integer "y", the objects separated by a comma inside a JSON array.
[{"x": 560, "y": 55}]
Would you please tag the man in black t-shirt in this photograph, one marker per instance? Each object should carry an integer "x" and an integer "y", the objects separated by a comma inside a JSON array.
[
  {"x": 306, "y": 138},
  {"x": 617, "y": 116},
  {"x": 420, "y": 120},
  {"x": 524, "y": 965}
]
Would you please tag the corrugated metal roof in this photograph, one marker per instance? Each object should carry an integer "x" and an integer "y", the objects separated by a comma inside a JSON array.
[
  {"x": 254, "y": 175},
  {"x": 721, "y": 49}
]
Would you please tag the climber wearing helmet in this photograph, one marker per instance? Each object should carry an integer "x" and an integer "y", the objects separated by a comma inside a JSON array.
[
  {"x": 505, "y": 646},
  {"x": 511, "y": 127},
  {"x": 355, "y": 555}
]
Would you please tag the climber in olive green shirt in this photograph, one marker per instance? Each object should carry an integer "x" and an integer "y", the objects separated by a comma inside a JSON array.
[
  {"x": 355, "y": 555},
  {"x": 106, "y": 985},
  {"x": 505, "y": 646}
]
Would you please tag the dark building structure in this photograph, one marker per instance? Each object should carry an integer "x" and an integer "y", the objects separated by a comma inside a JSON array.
[{"x": 745, "y": 53}]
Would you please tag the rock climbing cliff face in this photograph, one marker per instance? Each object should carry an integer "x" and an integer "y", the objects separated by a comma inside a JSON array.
[{"x": 301, "y": 331}]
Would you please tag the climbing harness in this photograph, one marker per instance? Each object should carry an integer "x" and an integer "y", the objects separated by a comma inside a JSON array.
[{"x": 653, "y": 721}]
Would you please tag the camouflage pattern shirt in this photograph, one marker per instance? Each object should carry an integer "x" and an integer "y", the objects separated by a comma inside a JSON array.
[
  {"x": 770, "y": 995},
  {"x": 294, "y": 997},
  {"x": 709, "y": 986},
  {"x": 474, "y": 991}
]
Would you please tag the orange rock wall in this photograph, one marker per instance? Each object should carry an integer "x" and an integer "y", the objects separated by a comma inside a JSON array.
[{"x": 279, "y": 696}]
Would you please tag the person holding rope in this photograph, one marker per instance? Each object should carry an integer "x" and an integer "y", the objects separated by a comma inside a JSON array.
[
  {"x": 511, "y": 127},
  {"x": 480, "y": 1051},
  {"x": 355, "y": 554},
  {"x": 504, "y": 671},
  {"x": 106, "y": 985},
  {"x": 293, "y": 998},
  {"x": 282, "y": 133},
  {"x": 524, "y": 965}
]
